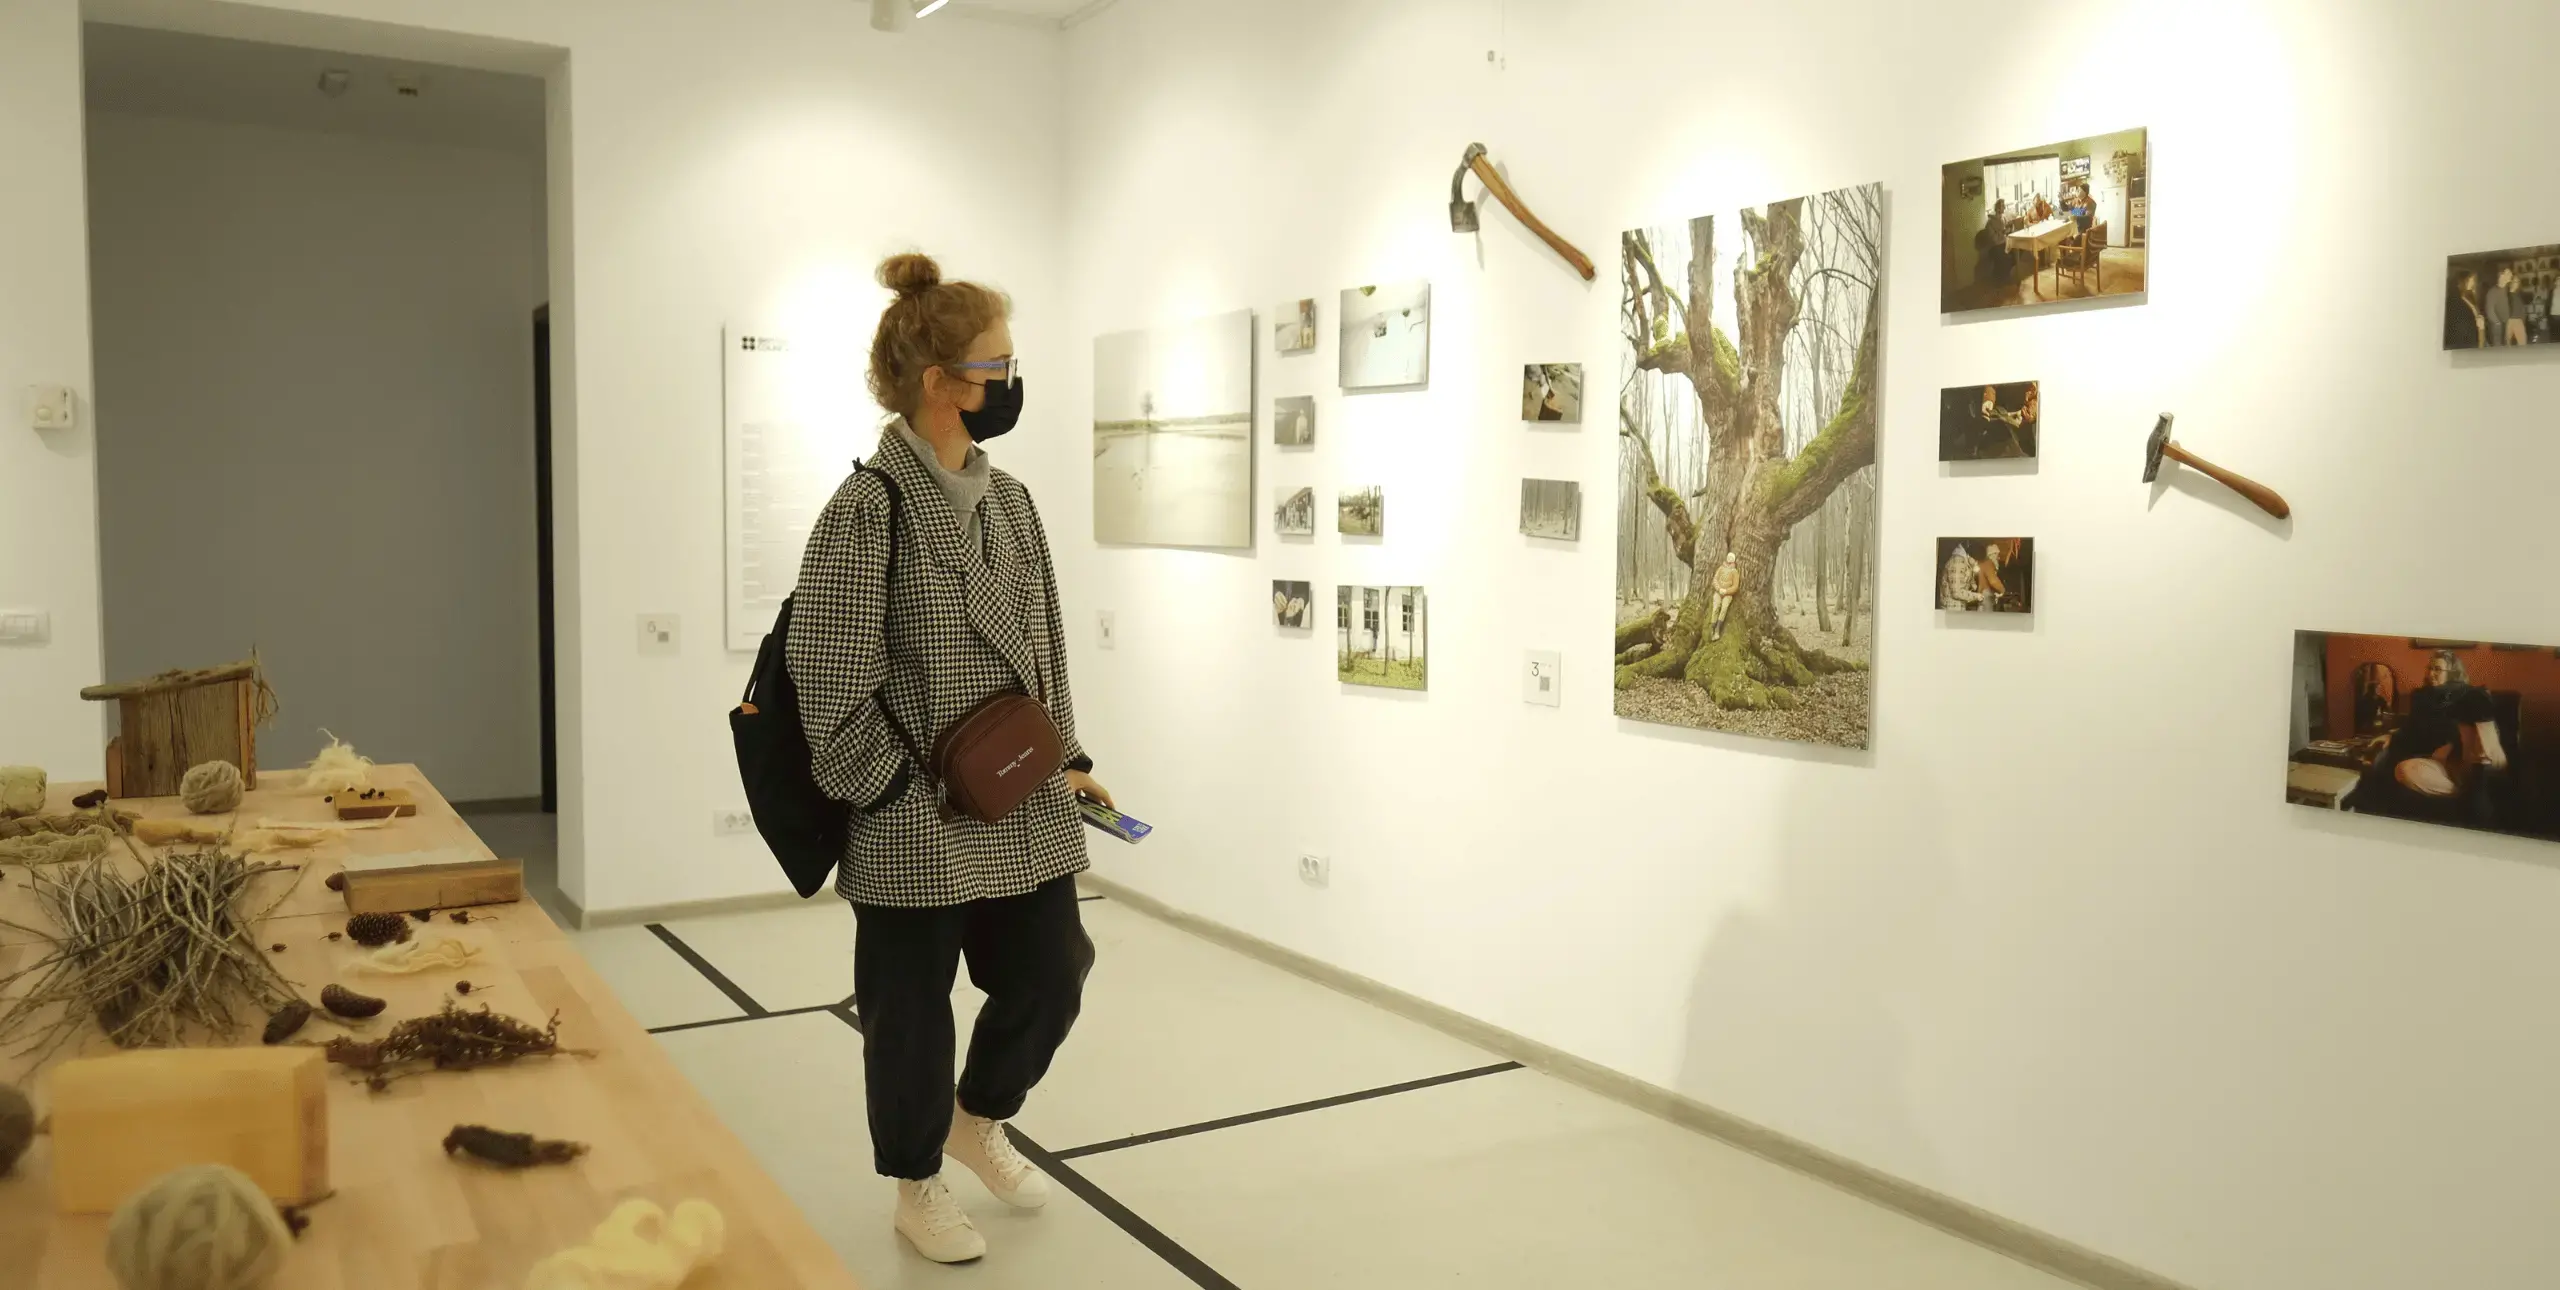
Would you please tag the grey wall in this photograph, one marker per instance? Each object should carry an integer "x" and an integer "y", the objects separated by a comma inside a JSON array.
[{"x": 315, "y": 388}]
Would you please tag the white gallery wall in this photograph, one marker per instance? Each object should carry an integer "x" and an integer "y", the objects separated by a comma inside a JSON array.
[
  {"x": 48, "y": 482},
  {"x": 315, "y": 363},
  {"x": 709, "y": 163},
  {"x": 2056, "y": 946}
]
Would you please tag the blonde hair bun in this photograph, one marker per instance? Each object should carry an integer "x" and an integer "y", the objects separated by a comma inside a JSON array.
[{"x": 910, "y": 274}]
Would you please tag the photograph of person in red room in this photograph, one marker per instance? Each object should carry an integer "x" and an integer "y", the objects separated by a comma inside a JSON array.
[{"x": 2450, "y": 732}]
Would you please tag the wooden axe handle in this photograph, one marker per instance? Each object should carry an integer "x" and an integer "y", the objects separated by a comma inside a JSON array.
[
  {"x": 1483, "y": 166},
  {"x": 2256, "y": 492}
]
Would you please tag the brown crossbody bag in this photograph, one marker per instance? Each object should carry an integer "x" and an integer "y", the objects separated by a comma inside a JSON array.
[{"x": 996, "y": 756}]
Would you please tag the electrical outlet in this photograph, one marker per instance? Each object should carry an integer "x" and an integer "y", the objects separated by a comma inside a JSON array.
[
  {"x": 730, "y": 823},
  {"x": 52, "y": 407},
  {"x": 1543, "y": 682},
  {"x": 1110, "y": 625},
  {"x": 661, "y": 635},
  {"x": 1315, "y": 871}
]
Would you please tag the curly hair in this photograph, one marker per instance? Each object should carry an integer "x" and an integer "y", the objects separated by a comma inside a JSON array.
[{"x": 929, "y": 325}]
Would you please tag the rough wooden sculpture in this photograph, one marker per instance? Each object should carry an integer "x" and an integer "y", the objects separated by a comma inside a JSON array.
[{"x": 178, "y": 720}]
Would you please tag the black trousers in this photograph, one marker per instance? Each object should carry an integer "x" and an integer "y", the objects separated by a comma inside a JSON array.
[{"x": 1028, "y": 953}]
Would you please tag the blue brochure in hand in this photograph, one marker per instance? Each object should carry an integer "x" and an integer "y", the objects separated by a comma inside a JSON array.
[{"x": 1127, "y": 828}]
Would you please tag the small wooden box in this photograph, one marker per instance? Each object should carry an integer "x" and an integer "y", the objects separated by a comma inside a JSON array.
[
  {"x": 384, "y": 804},
  {"x": 121, "y": 1122},
  {"x": 451, "y": 879}
]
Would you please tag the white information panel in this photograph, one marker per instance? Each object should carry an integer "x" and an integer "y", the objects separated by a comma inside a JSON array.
[{"x": 792, "y": 435}]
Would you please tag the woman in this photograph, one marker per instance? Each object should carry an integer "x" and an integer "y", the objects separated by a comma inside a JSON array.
[
  {"x": 2445, "y": 760},
  {"x": 2465, "y": 327},
  {"x": 926, "y": 588},
  {"x": 2518, "y": 304}
]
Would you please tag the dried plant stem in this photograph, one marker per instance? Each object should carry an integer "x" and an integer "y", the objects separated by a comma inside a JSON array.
[{"x": 153, "y": 960}]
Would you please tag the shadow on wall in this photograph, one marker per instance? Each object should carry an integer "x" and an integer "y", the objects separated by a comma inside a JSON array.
[{"x": 1815, "y": 982}]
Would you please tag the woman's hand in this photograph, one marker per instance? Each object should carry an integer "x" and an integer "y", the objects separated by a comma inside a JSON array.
[{"x": 1088, "y": 786}]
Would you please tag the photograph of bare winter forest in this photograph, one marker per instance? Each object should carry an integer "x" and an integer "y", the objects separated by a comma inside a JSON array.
[
  {"x": 1746, "y": 469},
  {"x": 1551, "y": 508}
]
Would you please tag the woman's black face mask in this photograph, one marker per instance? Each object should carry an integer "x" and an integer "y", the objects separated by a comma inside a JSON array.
[{"x": 997, "y": 415}]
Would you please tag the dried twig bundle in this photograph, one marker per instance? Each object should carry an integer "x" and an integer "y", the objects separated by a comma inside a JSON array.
[
  {"x": 152, "y": 960},
  {"x": 451, "y": 1040},
  {"x": 510, "y": 1150}
]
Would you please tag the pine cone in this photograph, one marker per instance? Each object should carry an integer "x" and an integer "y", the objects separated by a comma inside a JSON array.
[
  {"x": 375, "y": 930},
  {"x": 288, "y": 1019},
  {"x": 343, "y": 1002}
]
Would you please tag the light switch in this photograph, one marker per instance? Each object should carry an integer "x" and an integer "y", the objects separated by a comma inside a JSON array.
[
  {"x": 25, "y": 626},
  {"x": 1110, "y": 625},
  {"x": 52, "y": 407},
  {"x": 661, "y": 635},
  {"x": 1543, "y": 683}
]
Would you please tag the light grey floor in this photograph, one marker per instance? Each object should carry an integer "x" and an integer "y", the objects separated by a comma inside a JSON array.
[{"x": 1284, "y": 1135}]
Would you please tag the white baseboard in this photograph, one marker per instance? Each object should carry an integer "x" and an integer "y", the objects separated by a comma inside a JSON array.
[{"x": 2028, "y": 1245}]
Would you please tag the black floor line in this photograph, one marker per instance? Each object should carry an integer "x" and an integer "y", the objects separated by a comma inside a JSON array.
[
  {"x": 1139, "y": 1229},
  {"x": 1233, "y": 1121},
  {"x": 1087, "y": 900},
  {"x": 746, "y": 1002},
  {"x": 1103, "y": 1202},
  {"x": 682, "y": 1026}
]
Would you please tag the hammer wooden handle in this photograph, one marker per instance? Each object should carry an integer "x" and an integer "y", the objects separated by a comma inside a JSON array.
[
  {"x": 2264, "y": 496},
  {"x": 1483, "y": 166}
]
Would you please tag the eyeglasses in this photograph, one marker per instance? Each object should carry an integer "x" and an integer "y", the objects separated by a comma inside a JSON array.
[{"x": 1009, "y": 368}]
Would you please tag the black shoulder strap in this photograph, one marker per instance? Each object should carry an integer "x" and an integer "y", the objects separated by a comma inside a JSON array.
[{"x": 888, "y": 582}]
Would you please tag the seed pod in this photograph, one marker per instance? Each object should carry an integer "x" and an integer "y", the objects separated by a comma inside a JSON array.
[
  {"x": 462, "y": 987},
  {"x": 423, "y": 915},
  {"x": 510, "y": 1150},
  {"x": 372, "y": 930},
  {"x": 288, "y": 1019},
  {"x": 343, "y": 1002},
  {"x": 335, "y": 882}
]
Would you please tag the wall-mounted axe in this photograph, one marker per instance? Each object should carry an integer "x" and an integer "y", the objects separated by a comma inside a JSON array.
[
  {"x": 1462, "y": 213},
  {"x": 2162, "y": 446}
]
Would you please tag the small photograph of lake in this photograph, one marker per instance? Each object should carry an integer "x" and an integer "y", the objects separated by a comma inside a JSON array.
[
  {"x": 1173, "y": 434},
  {"x": 1386, "y": 336}
]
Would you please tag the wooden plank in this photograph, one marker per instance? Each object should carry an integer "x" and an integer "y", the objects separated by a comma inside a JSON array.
[
  {"x": 119, "y": 1122},
  {"x": 381, "y": 804},
  {"x": 178, "y": 679},
  {"x": 405, "y": 1217},
  {"x": 167, "y": 733},
  {"x": 376, "y": 890}
]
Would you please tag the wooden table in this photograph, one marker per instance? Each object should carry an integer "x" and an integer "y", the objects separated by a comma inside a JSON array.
[
  {"x": 2036, "y": 239},
  {"x": 405, "y": 1217}
]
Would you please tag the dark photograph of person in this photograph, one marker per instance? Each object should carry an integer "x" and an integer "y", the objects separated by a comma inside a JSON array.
[
  {"x": 1987, "y": 575},
  {"x": 2422, "y": 729},
  {"x": 2497, "y": 299},
  {"x": 1987, "y": 422}
]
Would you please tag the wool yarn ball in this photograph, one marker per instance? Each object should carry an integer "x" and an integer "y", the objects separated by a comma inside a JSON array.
[
  {"x": 21, "y": 790},
  {"x": 204, "y": 1227},
  {"x": 17, "y": 1126},
  {"x": 212, "y": 788}
]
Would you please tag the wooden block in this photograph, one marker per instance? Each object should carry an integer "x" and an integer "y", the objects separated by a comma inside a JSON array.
[
  {"x": 450, "y": 879},
  {"x": 384, "y": 804},
  {"x": 121, "y": 1122},
  {"x": 115, "y": 767}
]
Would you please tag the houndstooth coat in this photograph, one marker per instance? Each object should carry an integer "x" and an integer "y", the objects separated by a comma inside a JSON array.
[{"x": 949, "y": 633}]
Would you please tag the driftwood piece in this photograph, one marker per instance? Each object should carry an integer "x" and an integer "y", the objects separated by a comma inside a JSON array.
[{"x": 176, "y": 679}]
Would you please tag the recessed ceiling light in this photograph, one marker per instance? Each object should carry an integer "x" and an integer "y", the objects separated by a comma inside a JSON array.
[{"x": 334, "y": 82}]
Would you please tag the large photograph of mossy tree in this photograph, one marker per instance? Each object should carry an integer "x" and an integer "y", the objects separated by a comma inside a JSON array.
[{"x": 1746, "y": 469}]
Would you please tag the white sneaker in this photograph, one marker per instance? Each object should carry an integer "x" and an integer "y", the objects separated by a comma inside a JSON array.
[
  {"x": 930, "y": 1218},
  {"x": 988, "y": 1150}
]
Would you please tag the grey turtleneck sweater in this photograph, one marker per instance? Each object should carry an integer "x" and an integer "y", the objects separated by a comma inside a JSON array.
[{"x": 966, "y": 487}]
